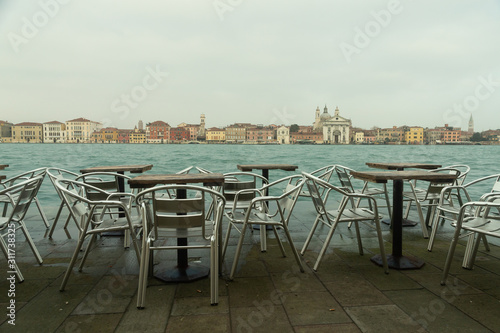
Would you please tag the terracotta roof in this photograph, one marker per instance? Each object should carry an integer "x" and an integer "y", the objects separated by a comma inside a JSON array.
[
  {"x": 79, "y": 120},
  {"x": 53, "y": 122},
  {"x": 28, "y": 124},
  {"x": 159, "y": 122}
]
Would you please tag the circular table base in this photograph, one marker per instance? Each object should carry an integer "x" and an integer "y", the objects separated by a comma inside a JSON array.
[
  {"x": 403, "y": 262},
  {"x": 169, "y": 273}
]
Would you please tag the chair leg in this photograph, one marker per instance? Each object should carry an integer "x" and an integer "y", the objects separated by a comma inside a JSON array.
[
  {"x": 325, "y": 245},
  {"x": 238, "y": 251},
  {"x": 280, "y": 244},
  {"x": 30, "y": 242},
  {"x": 214, "y": 273},
  {"x": 425, "y": 232},
  {"x": 358, "y": 236},
  {"x": 86, "y": 253},
  {"x": 263, "y": 238},
  {"x": 72, "y": 262},
  {"x": 449, "y": 257},
  {"x": 226, "y": 240},
  {"x": 143, "y": 274},
  {"x": 42, "y": 213},
  {"x": 56, "y": 219},
  {"x": 294, "y": 250},
  {"x": 381, "y": 245},
  {"x": 309, "y": 237}
]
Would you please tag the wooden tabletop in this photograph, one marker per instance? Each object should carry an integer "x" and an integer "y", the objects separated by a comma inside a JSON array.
[
  {"x": 2, "y": 177},
  {"x": 400, "y": 166},
  {"x": 250, "y": 167},
  {"x": 119, "y": 168},
  {"x": 3, "y": 166},
  {"x": 384, "y": 176},
  {"x": 151, "y": 180}
]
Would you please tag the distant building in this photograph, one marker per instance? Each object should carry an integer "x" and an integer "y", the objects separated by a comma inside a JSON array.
[
  {"x": 178, "y": 134},
  {"x": 283, "y": 135},
  {"x": 80, "y": 130},
  {"x": 158, "y": 132},
  {"x": 414, "y": 135},
  {"x": 215, "y": 135},
  {"x": 5, "y": 130},
  {"x": 336, "y": 129},
  {"x": 306, "y": 137},
  {"x": 54, "y": 132},
  {"x": 27, "y": 132},
  {"x": 193, "y": 129},
  {"x": 140, "y": 125},
  {"x": 260, "y": 134},
  {"x": 137, "y": 136},
  {"x": 106, "y": 135},
  {"x": 237, "y": 133},
  {"x": 471, "y": 126}
]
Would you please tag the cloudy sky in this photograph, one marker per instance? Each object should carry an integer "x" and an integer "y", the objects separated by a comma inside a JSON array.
[{"x": 383, "y": 63}]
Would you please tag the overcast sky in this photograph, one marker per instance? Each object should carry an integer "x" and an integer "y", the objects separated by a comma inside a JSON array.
[{"x": 383, "y": 63}]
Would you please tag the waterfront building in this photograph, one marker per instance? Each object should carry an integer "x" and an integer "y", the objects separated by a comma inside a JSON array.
[
  {"x": 433, "y": 135},
  {"x": 105, "y": 135},
  {"x": 388, "y": 135},
  {"x": 414, "y": 135},
  {"x": 283, "y": 135},
  {"x": 359, "y": 137},
  {"x": 193, "y": 129},
  {"x": 306, "y": 137},
  {"x": 178, "y": 134},
  {"x": 237, "y": 133},
  {"x": 452, "y": 134},
  {"x": 5, "y": 131},
  {"x": 158, "y": 132},
  {"x": 137, "y": 136},
  {"x": 124, "y": 135},
  {"x": 80, "y": 130},
  {"x": 54, "y": 132},
  {"x": 27, "y": 132},
  {"x": 336, "y": 129},
  {"x": 202, "y": 133},
  {"x": 260, "y": 134},
  {"x": 215, "y": 135}
]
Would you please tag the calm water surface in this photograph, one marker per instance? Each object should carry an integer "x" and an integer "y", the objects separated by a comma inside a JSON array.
[{"x": 483, "y": 160}]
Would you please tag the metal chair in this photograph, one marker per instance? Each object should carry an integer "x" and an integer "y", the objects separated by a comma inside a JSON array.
[
  {"x": 264, "y": 210},
  {"x": 343, "y": 174},
  {"x": 428, "y": 197},
  {"x": 348, "y": 211},
  {"x": 182, "y": 216},
  {"x": 324, "y": 173},
  {"x": 483, "y": 222},
  {"x": 54, "y": 175},
  {"x": 20, "y": 178},
  {"x": 453, "y": 197},
  {"x": 19, "y": 196},
  {"x": 84, "y": 209}
]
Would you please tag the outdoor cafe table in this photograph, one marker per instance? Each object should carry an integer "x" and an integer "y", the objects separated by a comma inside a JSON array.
[
  {"x": 266, "y": 167},
  {"x": 396, "y": 260},
  {"x": 121, "y": 170},
  {"x": 400, "y": 167},
  {"x": 183, "y": 272}
]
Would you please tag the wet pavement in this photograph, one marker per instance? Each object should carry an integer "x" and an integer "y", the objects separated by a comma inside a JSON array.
[{"x": 348, "y": 293}]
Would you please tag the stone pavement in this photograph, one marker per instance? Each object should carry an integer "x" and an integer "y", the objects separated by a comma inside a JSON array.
[{"x": 348, "y": 293}]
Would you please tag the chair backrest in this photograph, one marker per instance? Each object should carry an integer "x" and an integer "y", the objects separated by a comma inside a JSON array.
[
  {"x": 59, "y": 174},
  {"x": 188, "y": 209},
  {"x": 317, "y": 186},
  {"x": 105, "y": 181},
  {"x": 434, "y": 189},
  {"x": 74, "y": 195},
  {"x": 289, "y": 199},
  {"x": 237, "y": 181},
  {"x": 464, "y": 171},
  {"x": 24, "y": 193},
  {"x": 40, "y": 172},
  {"x": 324, "y": 173},
  {"x": 344, "y": 177}
]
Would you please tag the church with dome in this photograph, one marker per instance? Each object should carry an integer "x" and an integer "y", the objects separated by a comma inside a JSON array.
[{"x": 336, "y": 129}]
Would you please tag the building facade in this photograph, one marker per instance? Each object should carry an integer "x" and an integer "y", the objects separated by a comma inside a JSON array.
[
  {"x": 414, "y": 135},
  {"x": 5, "y": 130},
  {"x": 80, "y": 130},
  {"x": 283, "y": 135},
  {"x": 54, "y": 132},
  {"x": 336, "y": 129},
  {"x": 158, "y": 132},
  {"x": 260, "y": 134},
  {"x": 27, "y": 132},
  {"x": 215, "y": 135}
]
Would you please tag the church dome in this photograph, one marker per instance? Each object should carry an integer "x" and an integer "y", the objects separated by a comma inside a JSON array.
[{"x": 325, "y": 115}]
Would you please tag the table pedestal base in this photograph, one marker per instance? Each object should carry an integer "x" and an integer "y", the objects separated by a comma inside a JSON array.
[
  {"x": 403, "y": 262},
  {"x": 168, "y": 273},
  {"x": 405, "y": 222}
]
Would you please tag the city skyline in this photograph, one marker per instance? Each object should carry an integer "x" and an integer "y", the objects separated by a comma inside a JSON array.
[{"x": 383, "y": 63}]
